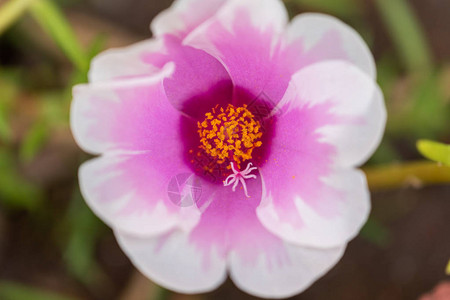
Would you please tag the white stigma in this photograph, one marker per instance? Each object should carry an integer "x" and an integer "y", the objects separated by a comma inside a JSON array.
[{"x": 240, "y": 176}]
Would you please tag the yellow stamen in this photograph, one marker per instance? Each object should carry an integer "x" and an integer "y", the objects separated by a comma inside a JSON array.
[{"x": 230, "y": 134}]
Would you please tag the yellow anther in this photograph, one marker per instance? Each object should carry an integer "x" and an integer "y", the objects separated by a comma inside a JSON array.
[{"x": 230, "y": 133}]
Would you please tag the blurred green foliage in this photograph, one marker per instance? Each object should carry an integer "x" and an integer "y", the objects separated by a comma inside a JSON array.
[
  {"x": 376, "y": 233},
  {"x": 85, "y": 229},
  {"x": 52, "y": 20},
  {"x": 343, "y": 8},
  {"x": 11, "y": 11},
  {"x": 8, "y": 92},
  {"x": 16, "y": 192},
  {"x": 406, "y": 34}
]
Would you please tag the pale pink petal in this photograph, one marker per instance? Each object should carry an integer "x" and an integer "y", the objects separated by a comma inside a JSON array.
[
  {"x": 335, "y": 216},
  {"x": 148, "y": 57},
  {"x": 140, "y": 59},
  {"x": 284, "y": 278},
  {"x": 199, "y": 80},
  {"x": 229, "y": 233},
  {"x": 332, "y": 118},
  {"x": 356, "y": 109},
  {"x": 129, "y": 192},
  {"x": 244, "y": 37},
  {"x": 259, "y": 262},
  {"x": 134, "y": 123},
  {"x": 313, "y": 37},
  {"x": 172, "y": 261},
  {"x": 184, "y": 16},
  {"x": 132, "y": 115}
]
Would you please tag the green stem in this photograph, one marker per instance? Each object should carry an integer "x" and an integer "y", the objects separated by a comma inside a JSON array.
[{"x": 412, "y": 173}]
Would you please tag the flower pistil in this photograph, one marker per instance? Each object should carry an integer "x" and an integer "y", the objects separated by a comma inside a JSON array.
[{"x": 240, "y": 176}]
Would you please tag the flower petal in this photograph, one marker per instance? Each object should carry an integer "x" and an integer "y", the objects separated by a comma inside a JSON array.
[
  {"x": 313, "y": 37},
  {"x": 229, "y": 221},
  {"x": 129, "y": 115},
  {"x": 184, "y": 16},
  {"x": 199, "y": 82},
  {"x": 140, "y": 59},
  {"x": 335, "y": 216},
  {"x": 135, "y": 125},
  {"x": 175, "y": 263},
  {"x": 149, "y": 56},
  {"x": 129, "y": 192},
  {"x": 330, "y": 122},
  {"x": 228, "y": 233},
  {"x": 356, "y": 111},
  {"x": 293, "y": 273},
  {"x": 259, "y": 262},
  {"x": 243, "y": 36}
]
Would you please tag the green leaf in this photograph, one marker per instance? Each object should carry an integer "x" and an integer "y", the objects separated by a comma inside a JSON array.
[
  {"x": 447, "y": 270},
  {"x": 15, "y": 191},
  {"x": 81, "y": 76},
  {"x": 34, "y": 141},
  {"x": 406, "y": 33},
  {"x": 11, "y": 11},
  {"x": 385, "y": 153},
  {"x": 162, "y": 294},
  {"x": 341, "y": 7},
  {"x": 376, "y": 233},
  {"x": 16, "y": 291},
  {"x": 428, "y": 100},
  {"x": 85, "y": 229},
  {"x": 387, "y": 74},
  {"x": 97, "y": 45},
  {"x": 8, "y": 92},
  {"x": 435, "y": 151},
  {"x": 53, "y": 21},
  {"x": 5, "y": 128},
  {"x": 423, "y": 99},
  {"x": 55, "y": 107}
]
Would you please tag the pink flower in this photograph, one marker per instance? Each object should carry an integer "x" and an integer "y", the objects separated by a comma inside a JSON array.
[{"x": 270, "y": 118}]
